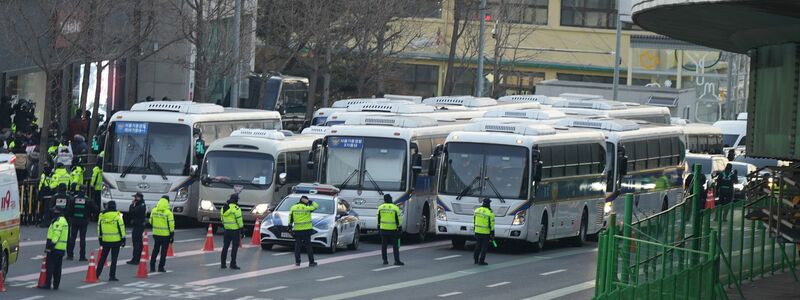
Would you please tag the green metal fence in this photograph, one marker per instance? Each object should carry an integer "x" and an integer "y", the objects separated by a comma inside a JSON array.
[{"x": 687, "y": 252}]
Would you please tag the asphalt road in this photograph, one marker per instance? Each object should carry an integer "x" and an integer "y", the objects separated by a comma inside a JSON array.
[{"x": 433, "y": 270}]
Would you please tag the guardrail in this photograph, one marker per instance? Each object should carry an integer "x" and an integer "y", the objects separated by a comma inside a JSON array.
[{"x": 687, "y": 252}]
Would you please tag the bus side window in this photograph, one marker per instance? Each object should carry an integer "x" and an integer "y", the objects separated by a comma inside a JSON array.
[
  {"x": 280, "y": 166},
  {"x": 666, "y": 152},
  {"x": 653, "y": 150},
  {"x": 557, "y": 161},
  {"x": 571, "y": 161},
  {"x": 547, "y": 162},
  {"x": 293, "y": 167},
  {"x": 586, "y": 159}
]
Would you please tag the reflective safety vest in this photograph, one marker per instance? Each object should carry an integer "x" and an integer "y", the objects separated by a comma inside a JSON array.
[
  {"x": 110, "y": 226},
  {"x": 76, "y": 177},
  {"x": 484, "y": 220},
  {"x": 232, "y": 217},
  {"x": 97, "y": 178},
  {"x": 44, "y": 181},
  {"x": 162, "y": 219},
  {"x": 60, "y": 176},
  {"x": 389, "y": 216},
  {"x": 52, "y": 150},
  {"x": 725, "y": 182},
  {"x": 58, "y": 232},
  {"x": 78, "y": 210},
  {"x": 300, "y": 216}
]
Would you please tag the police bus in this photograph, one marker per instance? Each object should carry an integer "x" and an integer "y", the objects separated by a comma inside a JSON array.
[
  {"x": 150, "y": 149},
  {"x": 545, "y": 183},
  {"x": 373, "y": 155},
  {"x": 614, "y": 110},
  {"x": 321, "y": 115},
  {"x": 646, "y": 160},
  {"x": 703, "y": 139},
  {"x": 260, "y": 165}
]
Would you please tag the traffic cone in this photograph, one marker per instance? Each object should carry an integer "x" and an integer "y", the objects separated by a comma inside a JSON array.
[
  {"x": 2, "y": 288},
  {"x": 170, "y": 253},
  {"x": 256, "y": 238},
  {"x": 91, "y": 273},
  {"x": 209, "y": 245},
  {"x": 710, "y": 200},
  {"x": 145, "y": 247},
  {"x": 142, "y": 272},
  {"x": 43, "y": 273}
]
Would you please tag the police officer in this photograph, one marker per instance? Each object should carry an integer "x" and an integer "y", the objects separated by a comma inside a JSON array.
[
  {"x": 78, "y": 210},
  {"x": 111, "y": 229},
  {"x": 300, "y": 224},
  {"x": 55, "y": 247},
  {"x": 76, "y": 176},
  {"x": 389, "y": 220},
  {"x": 61, "y": 197},
  {"x": 60, "y": 176},
  {"x": 45, "y": 195},
  {"x": 484, "y": 231},
  {"x": 724, "y": 184},
  {"x": 231, "y": 216},
  {"x": 163, "y": 223},
  {"x": 137, "y": 212},
  {"x": 96, "y": 184}
]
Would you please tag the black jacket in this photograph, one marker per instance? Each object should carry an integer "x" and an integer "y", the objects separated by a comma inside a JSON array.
[
  {"x": 78, "y": 208},
  {"x": 138, "y": 214}
]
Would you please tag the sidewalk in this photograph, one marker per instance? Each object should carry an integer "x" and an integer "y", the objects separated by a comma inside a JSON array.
[{"x": 778, "y": 286}]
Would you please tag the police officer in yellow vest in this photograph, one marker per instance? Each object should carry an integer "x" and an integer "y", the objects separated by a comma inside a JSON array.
[
  {"x": 55, "y": 247},
  {"x": 60, "y": 176},
  {"x": 163, "y": 222},
  {"x": 484, "y": 231},
  {"x": 111, "y": 229},
  {"x": 231, "y": 216},
  {"x": 45, "y": 195},
  {"x": 389, "y": 220},
  {"x": 76, "y": 176},
  {"x": 96, "y": 184},
  {"x": 300, "y": 223}
]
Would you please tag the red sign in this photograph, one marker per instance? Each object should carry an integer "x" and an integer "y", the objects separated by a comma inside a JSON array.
[{"x": 5, "y": 202}]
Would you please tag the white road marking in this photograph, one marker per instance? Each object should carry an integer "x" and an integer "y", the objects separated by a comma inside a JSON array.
[
  {"x": 273, "y": 289},
  {"x": 498, "y": 284},
  {"x": 132, "y": 298},
  {"x": 213, "y": 264},
  {"x": 282, "y": 253},
  {"x": 385, "y": 268},
  {"x": 32, "y": 298},
  {"x": 158, "y": 273},
  {"x": 88, "y": 238},
  {"x": 447, "y": 257},
  {"x": 330, "y": 278},
  {"x": 553, "y": 272},
  {"x": 38, "y": 257},
  {"x": 189, "y": 240},
  {"x": 92, "y": 285},
  {"x": 449, "y": 294},
  {"x": 563, "y": 291}
]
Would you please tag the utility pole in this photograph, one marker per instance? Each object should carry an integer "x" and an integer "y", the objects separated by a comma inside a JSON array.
[
  {"x": 237, "y": 24},
  {"x": 479, "y": 89},
  {"x": 617, "y": 57}
]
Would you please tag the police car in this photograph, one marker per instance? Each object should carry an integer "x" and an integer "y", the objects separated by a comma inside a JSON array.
[{"x": 335, "y": 223}]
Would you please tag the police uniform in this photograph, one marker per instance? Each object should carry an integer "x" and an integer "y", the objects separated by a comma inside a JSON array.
[
  {"x": 111, "y": 229},
  {"x": 484, "y": 231},
  {"x": 163, "y": 222},
  {"x": 45, "y": 197},
  {"x": 137, "y": 213},
  {"x": 76, "y": 176},
  {"x": 231, "y": 216},
  {"x": 725, "y": 181},
  {"x": 96, "y": 184},
  {"x": 389, "y": 220},
  {"x": 300, "y": 220},
  {"x": 56, "y": 246},
  {"x": 78, "y": 209}
]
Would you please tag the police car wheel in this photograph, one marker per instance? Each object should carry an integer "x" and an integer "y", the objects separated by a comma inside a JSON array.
[
  {"x": 334, "y": 242},
  {"x": 356, "y": 238}
]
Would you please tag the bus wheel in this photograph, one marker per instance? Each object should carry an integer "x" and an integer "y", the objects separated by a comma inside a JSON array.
[
  {"x": 539, "y": 245},
  {"x": 422, "y": 235},
  {"x": 579, "y": 240},
  {"x": 458, "y": 242}
]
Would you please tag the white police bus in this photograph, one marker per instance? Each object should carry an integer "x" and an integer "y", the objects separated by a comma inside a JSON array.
[
  {"x": 150, "y": 149},
  {"x": 321, "y": 115},
  {"x": 370, "y": 156},
  {"x": 703, "y": 139},
  {"x": 545, "y": 183},
  {"x": 645, "y": 160}
]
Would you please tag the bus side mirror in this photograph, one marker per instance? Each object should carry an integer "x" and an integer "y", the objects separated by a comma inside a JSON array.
[
  {"x": 282, "y": 178},
  {"x": 195, "y": 169},
  {"x": 416, "y": 163},
  {"x": 310, "y": 161},
  {"x": 537, "y": 171},
  {"x": 311, "y": 154},
  {"x": 432, "y": 164},
  {"x": 623, "y": 165}
]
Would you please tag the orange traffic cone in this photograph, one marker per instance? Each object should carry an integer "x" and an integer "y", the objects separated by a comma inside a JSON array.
[
  {"x": 170, "y": 252},
  {"x": 91, "y": 273},
  {"x": 2, "y": 288},
  {"x": 256, "y": 238},
  {"x": 209, "y": 245},
  {"x": 43, "y": 273},
  {"x": 145, "y": 247},
  {"x": 142, "y": 272},
  {"x": 710, "y": 200}
]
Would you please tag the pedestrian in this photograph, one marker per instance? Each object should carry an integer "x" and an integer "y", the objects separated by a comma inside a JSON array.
[
  {"x": 78, "y": 210},
  {"x": 96, "y": 184},
  {"x": 300, "y": 224},
  {"x": 76, "y": 176},
  {"x": 111, "y": 229},
  {"x": 724, "y": 184},
  {"x": 231, "y": 216},
  {"x": 484, "y": 231},
  {"x": 389, "y": 220},
  {"x": 61, "y": 197},
  {"x": 163, "y": 223},
  {"x": 60, "y": 176},
  {"x": 55, "y": 247},
  {"x": 45, "y": 194},
  {"x": 138, "y": 212}
]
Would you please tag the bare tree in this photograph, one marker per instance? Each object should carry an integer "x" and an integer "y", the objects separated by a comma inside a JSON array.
[
  {"x": 463, "y": 10},
  {"x": 508, "y": 35},
  {"x": 36, "y": 32}
]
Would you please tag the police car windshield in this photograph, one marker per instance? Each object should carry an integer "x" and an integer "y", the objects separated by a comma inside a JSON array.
[{"x": 326, "y": 206}]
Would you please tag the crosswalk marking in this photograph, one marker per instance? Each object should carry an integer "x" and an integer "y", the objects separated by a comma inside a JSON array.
[
  {"x": 385, "y": 268},
  {"x": 91, "y": 285},
  {"x": 447, "y": 257}
]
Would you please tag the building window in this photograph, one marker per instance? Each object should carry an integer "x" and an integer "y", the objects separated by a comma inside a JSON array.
[
  {"x": 591, "y": 13},
  {"x": 464, "y": 81},
  {"x": 599, "y": 79},
  {"x": 420, "y": 80},
  {"x": 518, "y": 83},
  {"x": 427, "y": 9},
  {"x": 518, "y": 11}
]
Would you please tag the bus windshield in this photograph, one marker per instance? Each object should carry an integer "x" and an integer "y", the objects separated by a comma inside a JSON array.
[
  {"x": 366, "y": 162},
  {"x": 506, "y": 168},
  {"x": 148, "y": 148},
  {"x": 224, "y": 169}
]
